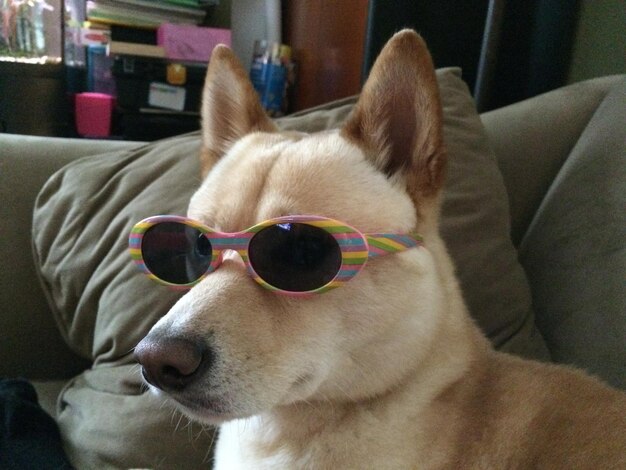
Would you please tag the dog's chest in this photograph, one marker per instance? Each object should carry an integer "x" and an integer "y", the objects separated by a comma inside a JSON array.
[{"x": 249, "y": 444}]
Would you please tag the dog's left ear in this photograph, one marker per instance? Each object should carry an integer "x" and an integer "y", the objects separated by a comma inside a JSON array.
[
  {"x": 398, "y": 118},
  {"x": 230, "y": 107}
]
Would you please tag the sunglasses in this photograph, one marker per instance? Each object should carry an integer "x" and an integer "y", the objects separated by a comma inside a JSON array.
[{"x": 294, "y": 255}]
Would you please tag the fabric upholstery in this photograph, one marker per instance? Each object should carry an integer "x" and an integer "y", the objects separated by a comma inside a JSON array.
[
  {"x": 109, "y": 421},
  {"x": 533, "y": 138},
  {"x": 26, "y": 162},
  {"x": 574, "y": 250},
  {"x": 81, "y": 225}
]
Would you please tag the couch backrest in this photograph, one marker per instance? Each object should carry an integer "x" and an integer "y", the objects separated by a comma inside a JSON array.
[
  {"x": 32, "y": 346},
  {"x": 563, "y": 158}
]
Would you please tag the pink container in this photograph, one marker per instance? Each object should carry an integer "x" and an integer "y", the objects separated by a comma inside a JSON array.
[{"x": 93, "y": 114}]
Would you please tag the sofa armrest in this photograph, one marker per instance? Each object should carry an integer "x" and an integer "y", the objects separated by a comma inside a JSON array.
[
  {"x": 30, "y": 344},
  {"x": 533, "y": 138}
]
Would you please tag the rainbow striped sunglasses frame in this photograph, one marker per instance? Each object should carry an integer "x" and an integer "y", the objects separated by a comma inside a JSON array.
[{"x": 356, "y": 248}]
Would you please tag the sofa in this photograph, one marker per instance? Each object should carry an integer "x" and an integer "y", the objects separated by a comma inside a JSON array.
[{"x": 533, "y": 215}]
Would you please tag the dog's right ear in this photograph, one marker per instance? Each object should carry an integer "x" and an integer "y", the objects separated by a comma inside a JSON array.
[{"x": 230, "y": 107}]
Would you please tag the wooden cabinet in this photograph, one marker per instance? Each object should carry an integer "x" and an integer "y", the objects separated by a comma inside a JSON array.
[{"x": 327, "y": 38}]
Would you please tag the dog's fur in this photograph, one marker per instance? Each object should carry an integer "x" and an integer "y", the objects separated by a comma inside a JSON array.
[{"x": 388, "y": 371}]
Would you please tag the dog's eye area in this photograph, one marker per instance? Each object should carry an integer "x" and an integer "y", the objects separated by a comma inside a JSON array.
[
  {"x": 176, "y": 253},
  {"x": 295, "y": 257},
  {"x": 203, "y": 246}
]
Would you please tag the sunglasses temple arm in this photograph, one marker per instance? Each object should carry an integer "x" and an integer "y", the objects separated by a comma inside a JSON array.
[{"x": 380, "y": 244}]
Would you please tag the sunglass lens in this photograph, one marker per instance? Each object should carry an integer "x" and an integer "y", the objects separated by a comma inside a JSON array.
[
  {"x": 176, "y": 253},
  {"x": 295, "y": 257}
]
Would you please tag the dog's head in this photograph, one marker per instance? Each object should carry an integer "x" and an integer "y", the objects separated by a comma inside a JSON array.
[{"x": 230, "y": 348}]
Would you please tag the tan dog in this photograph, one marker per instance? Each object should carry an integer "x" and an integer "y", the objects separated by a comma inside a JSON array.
[{"x": 387, "y": 371}]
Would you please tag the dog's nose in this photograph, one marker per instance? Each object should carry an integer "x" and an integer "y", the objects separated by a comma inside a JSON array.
[{"x": 170, "y": 364}]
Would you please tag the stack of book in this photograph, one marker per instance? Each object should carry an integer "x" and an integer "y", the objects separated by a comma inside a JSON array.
[
  {"x": 157, "y": 56},
  {"x": 149, "y": 14},
  {"x": 132, "y": 25}
]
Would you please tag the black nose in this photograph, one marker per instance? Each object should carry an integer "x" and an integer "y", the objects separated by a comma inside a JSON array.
[{"x": 171, "y": 363}]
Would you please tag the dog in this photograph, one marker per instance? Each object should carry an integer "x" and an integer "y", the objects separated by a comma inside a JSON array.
[{"x": 384, "y": 369}]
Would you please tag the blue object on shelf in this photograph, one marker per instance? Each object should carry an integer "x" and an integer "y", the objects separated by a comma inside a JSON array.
[{"x": 99, "y": 71}]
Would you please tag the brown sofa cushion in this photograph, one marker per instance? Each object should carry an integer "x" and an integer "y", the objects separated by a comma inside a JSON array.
[{"x": 104, "y": 306}]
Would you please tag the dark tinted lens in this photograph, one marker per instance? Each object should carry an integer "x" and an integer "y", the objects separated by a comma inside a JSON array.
[
  {"x": 175, "y": 252},
  {"x": 295, "y": 257}
]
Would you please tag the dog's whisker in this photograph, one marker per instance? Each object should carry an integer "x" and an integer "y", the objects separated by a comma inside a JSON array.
[
  {"x": 163, "y": 404},
  {"x": 201, "y": 431},
  {"x": 180, "y": 418},
  {"x": 210, "y": 454},
  {"x": 136, "y": 370},
  {"x": 189, "y": 428}
]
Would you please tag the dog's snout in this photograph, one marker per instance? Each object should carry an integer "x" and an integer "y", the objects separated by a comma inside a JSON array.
[{"x": 171, "y": 364}]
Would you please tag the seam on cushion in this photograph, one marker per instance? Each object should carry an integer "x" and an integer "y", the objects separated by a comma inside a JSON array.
[
  {"x": 574, "y": 144},
  {"x": 528, "y": 319},
  {"x": 522, "y": 244},
  {"x": 523, "y": 223}
]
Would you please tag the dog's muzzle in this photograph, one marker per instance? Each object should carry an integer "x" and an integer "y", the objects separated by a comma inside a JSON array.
[{"x": 172, "y": 363}]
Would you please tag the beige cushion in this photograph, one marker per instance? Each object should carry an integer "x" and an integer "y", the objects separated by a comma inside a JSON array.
[
  {"x": 104, "y": 306},
  {"x": 80, "y": 234}
]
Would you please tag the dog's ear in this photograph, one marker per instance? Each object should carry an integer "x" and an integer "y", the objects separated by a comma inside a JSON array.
[
  {"x": 397, "y": 120},
  {"x": 230, "y": 107}
]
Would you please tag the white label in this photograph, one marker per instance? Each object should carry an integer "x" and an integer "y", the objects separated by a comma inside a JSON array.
[{"x": 166, "y": 96}]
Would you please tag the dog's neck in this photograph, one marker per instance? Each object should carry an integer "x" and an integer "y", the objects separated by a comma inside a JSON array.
[
  {"x": 328, "y": 434},
  {"x": 284, "y": 435}
]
